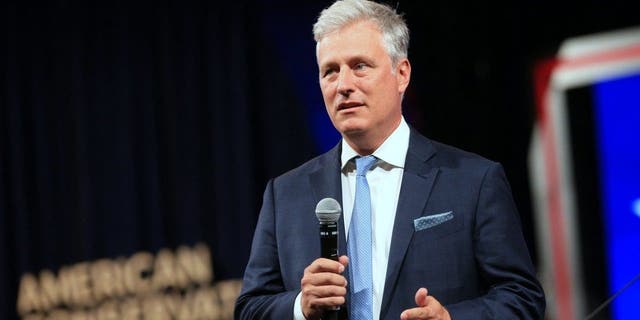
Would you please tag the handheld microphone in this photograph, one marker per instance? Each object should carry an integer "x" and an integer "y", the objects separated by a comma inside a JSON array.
[{"x": 328, "y": 212}]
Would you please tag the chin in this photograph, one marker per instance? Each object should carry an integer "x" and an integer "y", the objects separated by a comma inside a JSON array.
[
  {"x": 352, "y": 125},
  {"x": 353, "y": 132}
]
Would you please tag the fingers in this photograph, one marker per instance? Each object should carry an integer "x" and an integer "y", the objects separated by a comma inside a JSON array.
[
  {"x": 324, "y": 297},
  {"x": 323, "y": 279},
  {"x": 428, "y": 307},
  {"x": 418, "y": 314},
  {"x": 323, "y": 272},
  {"x": 325, "y": 265},
  {"x": 323, "y": 286},
  {"x": 421, "y": 297},
  {"x": 344, "y": 260}
]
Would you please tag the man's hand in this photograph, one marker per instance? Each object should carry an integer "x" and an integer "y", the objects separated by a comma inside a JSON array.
[
  {"x": 323, "y": 286},
  {"x": 428, "y": 308}
]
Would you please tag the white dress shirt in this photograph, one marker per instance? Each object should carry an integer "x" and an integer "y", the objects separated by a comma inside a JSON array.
[{"x": 385, "y": 179}]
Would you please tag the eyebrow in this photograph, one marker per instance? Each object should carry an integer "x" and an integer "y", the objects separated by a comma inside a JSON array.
[{"x": 350, "y": 60}]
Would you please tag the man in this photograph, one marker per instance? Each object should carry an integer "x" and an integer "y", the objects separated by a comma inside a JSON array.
[{"x": 442, "y": 239}]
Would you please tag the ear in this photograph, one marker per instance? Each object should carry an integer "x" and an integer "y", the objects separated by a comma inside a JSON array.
[{"x": 403, "y": 74}]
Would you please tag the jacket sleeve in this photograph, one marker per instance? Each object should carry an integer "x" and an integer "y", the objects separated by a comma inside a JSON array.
[
  {"x": 502, "y": 258},
  {"x": 263, "y": 294}
]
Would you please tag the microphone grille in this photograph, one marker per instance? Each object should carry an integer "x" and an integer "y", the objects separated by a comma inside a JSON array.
[{"x": 328, "y": 210}]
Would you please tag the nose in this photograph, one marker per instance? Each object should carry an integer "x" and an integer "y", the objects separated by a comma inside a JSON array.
[{"x": 345, "y": 82}]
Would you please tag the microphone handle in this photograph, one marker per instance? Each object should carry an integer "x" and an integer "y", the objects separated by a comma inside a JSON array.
[
  {"x": 329, "y": 240},
  {"x": 329, "y": 250}
]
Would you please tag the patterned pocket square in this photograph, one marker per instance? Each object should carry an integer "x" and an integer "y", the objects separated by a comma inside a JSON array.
[{"x": 427, "y": 222}]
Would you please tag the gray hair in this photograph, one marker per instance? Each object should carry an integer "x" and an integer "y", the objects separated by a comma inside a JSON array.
[{"x": 395, "y": 34}]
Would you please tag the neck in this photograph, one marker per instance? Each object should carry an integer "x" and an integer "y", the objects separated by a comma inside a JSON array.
[{"x": 366, "y": 143}]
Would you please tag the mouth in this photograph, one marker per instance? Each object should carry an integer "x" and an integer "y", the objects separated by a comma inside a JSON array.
[{"x": 349, "y": 105}]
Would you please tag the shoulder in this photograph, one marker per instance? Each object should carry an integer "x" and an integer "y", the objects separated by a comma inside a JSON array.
[
  {"x": 445, "y": 155},
  {"x": 453, "y": 156},
  {"x": 452, "y": 161},
  {"x": 330, "y": 159}
]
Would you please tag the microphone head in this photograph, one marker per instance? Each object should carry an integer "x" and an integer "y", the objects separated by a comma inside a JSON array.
[{"x": 328, "y": 210}]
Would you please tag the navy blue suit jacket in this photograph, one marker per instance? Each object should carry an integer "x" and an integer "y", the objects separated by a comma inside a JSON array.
[{"x": 476, "y": 264}]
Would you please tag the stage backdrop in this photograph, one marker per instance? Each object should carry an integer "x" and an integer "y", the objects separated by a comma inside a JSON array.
[{"x": 129, "y": 129}]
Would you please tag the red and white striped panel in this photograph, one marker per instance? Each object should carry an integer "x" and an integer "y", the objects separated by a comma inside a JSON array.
[{"x": 581, "y": 61}]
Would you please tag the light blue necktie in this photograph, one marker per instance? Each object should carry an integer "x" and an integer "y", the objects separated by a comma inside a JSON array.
[{"x": 359, "y": 245}]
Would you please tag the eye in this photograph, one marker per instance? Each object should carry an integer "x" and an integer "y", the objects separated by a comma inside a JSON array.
[
  {"x": 328, "y": 71},
  {"x": 361, "y": 66}
]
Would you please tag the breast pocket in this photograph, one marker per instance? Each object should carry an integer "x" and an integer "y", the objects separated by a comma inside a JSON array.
[
  {"x": 435, "y": 253},
  {"x": 437, "y": 226}
]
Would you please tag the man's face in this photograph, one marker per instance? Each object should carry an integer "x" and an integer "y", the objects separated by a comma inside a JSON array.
[{"x": 362, "y": 90}]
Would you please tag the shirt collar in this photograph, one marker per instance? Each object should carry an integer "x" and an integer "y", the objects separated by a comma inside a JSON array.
[{"x": 392, "y": 151}]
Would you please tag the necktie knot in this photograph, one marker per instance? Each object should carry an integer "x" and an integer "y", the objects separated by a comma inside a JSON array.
[{"x": 363, "y": 164}]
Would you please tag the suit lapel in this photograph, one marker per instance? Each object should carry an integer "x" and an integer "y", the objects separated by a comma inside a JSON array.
[
  {"x": 417, "y": 181},
  {"x": 326, "y": 183}
]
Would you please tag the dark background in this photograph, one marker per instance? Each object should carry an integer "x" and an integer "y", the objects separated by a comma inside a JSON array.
[{"x": 143, "y": 125}]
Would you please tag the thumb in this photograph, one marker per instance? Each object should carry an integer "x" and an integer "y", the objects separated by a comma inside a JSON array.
[{"x": 421, "y": 297}]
